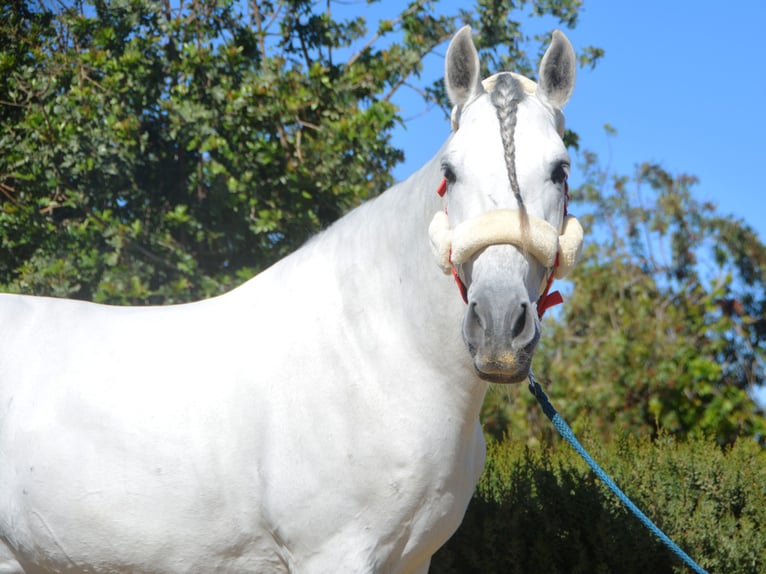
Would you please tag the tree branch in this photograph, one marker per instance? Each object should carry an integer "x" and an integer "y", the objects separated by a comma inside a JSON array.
[
  {"x": 258, "y": 20},
  {"x": 378, "y": 35},
  {"x": 409, "y": 72}
]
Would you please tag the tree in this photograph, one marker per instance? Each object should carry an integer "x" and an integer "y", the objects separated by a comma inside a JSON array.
[
  {"x": 664, "y": 329},
  {"x": 157, "y": 152}
]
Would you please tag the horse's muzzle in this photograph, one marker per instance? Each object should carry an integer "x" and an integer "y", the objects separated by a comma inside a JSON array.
[{"x": 501, "y": 332}]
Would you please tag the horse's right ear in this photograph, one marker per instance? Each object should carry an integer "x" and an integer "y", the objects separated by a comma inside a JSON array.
[
  {"x": 462, "y": 72},
  {"x": 557, "y": 70}
]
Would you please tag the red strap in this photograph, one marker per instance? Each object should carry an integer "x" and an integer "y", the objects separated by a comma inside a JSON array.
[
  {"x": 460, "y": 285},
  {"x": 442, "y": 189},
  {"x": 548, "y": 300}
]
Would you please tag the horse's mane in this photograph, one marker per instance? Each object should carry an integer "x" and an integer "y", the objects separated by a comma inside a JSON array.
[{"x": 506, "y": 92}]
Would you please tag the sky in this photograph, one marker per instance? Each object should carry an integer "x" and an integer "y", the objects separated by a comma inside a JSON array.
[{"x": 681, "y": 82}]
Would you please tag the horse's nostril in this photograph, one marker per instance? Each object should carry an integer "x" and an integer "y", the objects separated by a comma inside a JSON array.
[
  {"x": 476, "y": 315},
  {"x": 500, "y": 332},
  {"x": 520, "y": 323}
]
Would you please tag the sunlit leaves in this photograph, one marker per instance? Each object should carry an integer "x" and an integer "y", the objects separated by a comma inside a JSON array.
[
  {"x": 226, "y": 149},
  {"x": 663, "y": 330},
  {"x": 193, "y": 144}
]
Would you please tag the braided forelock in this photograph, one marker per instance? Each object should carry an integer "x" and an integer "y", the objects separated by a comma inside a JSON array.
[{"x": 506, "y": 95}]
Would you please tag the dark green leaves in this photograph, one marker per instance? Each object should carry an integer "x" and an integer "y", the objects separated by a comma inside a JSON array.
[
  {"x": 161, "y": 152},
  {"x": 663, "y": 330}
]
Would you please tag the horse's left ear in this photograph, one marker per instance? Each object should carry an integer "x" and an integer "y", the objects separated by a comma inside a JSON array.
[
  {"x": 462, "y": 72},
  {"x": 557, "y": 71}
]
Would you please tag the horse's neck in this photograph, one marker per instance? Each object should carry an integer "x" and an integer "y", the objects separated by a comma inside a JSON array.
[
  {"x": 392, "y": 284},
  {"x": 382, "y": 253},
  {"x": 373, "y": 273}
]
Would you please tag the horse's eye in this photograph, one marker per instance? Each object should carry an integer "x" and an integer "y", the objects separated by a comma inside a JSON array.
[
  {"x": 449, "y": 173},
  {"x": 560, "y": 173}
]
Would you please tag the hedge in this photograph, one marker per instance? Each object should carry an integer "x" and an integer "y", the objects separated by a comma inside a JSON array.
[{"x": 543, "y": 511}]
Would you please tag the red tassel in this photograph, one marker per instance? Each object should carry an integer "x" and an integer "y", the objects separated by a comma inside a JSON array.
[
  {"x": 547, "y": 301},
  {"x": 460, "y": 285},
  {"x": 442, "y": 189}
]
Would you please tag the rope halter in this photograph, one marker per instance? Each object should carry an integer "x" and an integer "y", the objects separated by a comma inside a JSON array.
[
  {"x": 557, "y": 252},
  {"x": 503, "y": 227}
]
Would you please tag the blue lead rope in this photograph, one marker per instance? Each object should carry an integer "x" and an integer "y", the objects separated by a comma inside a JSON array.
[{"x": 568, "y": 435}]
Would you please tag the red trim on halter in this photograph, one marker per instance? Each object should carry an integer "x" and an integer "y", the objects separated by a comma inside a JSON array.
[
  {"x": 442, "y": 189},
  {"x": 460, "y": 285},
  {"x": 548, "y": 300}
]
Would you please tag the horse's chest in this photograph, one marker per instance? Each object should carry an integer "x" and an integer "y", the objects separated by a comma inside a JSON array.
[{"x": 388, "y": 488}]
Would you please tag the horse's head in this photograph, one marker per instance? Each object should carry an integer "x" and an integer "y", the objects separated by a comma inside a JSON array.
[{"x": 505, "y": 232}]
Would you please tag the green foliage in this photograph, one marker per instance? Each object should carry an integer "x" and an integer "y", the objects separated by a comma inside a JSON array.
[
  {"x": 152, "y": 152},
  {"x": 181, "y": 158},
  {"x": 159, "y": 152},
  {"x": 544, "y": 511},
  {"x": 503, "y": 44},
  {"x": 156, "y": 154},
  {"x": 664, "y": 328}
]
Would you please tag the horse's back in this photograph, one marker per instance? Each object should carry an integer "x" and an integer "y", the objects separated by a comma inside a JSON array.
[
  {"x": 230, "y": 435},
  {"x": 119, "y": 424},
  {"x": 57, "y": 352},
  {"x": 189, "y": 433}
]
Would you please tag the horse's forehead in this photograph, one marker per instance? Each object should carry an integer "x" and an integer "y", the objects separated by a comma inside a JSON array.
[
  {"x": 535, "y": 129},
  {"x": 479, "y": 114},
  {"x": 536, "y": 125},
  {"x": 477, "y": 145},
  {"x": 535, "y": 112}
]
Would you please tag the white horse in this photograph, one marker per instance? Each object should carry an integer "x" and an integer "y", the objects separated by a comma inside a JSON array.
[{"x": 322, "y": 417}]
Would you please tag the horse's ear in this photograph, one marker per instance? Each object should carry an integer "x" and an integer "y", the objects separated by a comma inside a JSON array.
[
  {"x": 557, "y": 71},
  {"x": 461, "y": 70}
]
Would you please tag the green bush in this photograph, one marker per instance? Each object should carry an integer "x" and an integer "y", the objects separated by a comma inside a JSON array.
[{"x": 543, "y": 511}]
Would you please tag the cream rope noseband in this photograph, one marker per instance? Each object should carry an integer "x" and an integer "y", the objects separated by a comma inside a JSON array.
[
  {"x": 558, "y": 253},
  {"x": 503, "y": 227}
]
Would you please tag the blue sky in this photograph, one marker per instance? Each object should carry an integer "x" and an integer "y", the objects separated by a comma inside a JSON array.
[{"x": 681, "y": 82}]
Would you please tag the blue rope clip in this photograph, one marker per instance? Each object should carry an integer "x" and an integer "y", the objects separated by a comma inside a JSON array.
[{"x": 566, "y": 432}]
